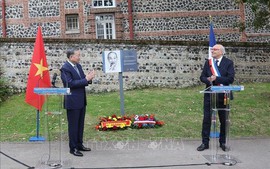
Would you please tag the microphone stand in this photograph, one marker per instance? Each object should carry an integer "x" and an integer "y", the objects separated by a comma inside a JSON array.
[{"x": 53, "y": 80}]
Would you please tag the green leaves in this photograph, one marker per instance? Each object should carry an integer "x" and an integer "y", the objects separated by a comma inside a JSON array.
[{"x": 261, "y": 9}]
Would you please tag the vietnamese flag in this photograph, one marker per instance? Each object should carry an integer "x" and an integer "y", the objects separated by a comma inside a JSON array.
[{"x": 39, "y": 76}]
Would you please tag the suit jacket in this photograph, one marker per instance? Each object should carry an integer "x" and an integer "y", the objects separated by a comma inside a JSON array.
[
  {"x": 76, "y": 83},
  {"x": 226, "y": 69}
]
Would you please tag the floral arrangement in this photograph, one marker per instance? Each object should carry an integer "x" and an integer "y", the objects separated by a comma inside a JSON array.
[
  {"x": 113, "y": 122},
  {"x": 146, "y": 121},
  {"x": 122, "y": 122}
]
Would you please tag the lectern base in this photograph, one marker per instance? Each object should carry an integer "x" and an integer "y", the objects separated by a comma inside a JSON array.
[
  {"x": 54, "y": 165},
  {"x": 37, "y": 138},
  {"x": 222, "y": 159}
]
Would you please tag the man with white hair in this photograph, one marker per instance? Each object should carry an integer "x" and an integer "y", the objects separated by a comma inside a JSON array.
[{"x": 224, "y": 76}]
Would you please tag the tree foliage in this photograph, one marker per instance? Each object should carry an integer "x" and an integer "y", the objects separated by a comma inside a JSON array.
[
  {"x": 261, "y": 9},
  {"x": 4, "y": 88}
]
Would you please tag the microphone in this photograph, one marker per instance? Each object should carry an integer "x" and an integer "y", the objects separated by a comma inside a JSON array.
[
  {"x": 37, "y": 85},
  {"x": 54, "y": 79}
]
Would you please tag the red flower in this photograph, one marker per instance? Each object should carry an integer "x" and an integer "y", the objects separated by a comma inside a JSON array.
[
  {"x": 97, "y": 127},
  {"x": 160, "y": 123},
  {"x": 104, "y": 128},
  {"x": 141, "y": 118}
]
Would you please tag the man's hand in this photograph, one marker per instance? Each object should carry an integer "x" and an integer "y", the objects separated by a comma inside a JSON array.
[
  {"x": 90, "y": 75},
  {"x": 212, "y": 78}
]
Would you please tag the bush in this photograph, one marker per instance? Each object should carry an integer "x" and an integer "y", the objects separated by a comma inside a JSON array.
[{"x": 5, "y": 91}]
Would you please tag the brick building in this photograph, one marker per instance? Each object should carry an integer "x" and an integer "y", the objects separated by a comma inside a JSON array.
[{"x": 129, "y": 19}]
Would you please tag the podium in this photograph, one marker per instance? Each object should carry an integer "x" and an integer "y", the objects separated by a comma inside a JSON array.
[
  {"x": 53, "y": 122},
  {"x": 214, "y": 92}
]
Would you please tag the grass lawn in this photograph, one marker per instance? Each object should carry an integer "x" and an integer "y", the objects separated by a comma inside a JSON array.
[{"x": 180, "y": 109}]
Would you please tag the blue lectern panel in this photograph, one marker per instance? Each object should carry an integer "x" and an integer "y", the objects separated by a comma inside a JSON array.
[
  {"x": 227, "y": 88},
  {"x": 52, "y": 91}
]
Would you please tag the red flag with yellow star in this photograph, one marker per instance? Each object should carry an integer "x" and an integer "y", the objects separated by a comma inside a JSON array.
[{"x": 39, "y": 76}]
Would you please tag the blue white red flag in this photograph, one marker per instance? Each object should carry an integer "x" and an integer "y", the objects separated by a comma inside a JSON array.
[{"x": 212, "y": 42}]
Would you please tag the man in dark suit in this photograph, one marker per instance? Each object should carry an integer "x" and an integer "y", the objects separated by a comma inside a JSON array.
[
  {"x": 74, "y": 78},
  {"x": 226, "y": 69}
]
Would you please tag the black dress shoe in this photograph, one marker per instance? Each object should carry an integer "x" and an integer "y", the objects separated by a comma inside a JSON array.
[
  {"x": 202, "y": 147},
  {"x": 76, "y": 152},
  {"x": 224, "y": 147},
  {"x": 82, "y": 148}
]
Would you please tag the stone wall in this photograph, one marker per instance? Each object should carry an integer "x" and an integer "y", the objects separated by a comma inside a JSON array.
[
  {"x": 182, "y": 20},
  {"x": 172, "y": 64}
]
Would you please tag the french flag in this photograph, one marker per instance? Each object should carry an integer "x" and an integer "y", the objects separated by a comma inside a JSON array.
[{"x": 212, "y": 42}]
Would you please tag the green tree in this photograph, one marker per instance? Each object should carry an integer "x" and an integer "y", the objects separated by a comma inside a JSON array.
[
  {"x": 261, "y": 9},
  {"x": 4, "y": 89}
]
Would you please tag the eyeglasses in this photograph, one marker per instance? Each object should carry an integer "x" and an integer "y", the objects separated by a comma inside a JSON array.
[{"x": 215, "y": 49}]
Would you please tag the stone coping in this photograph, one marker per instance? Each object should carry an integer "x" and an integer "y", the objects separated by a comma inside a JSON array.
[{"x": 133, "y": 42}]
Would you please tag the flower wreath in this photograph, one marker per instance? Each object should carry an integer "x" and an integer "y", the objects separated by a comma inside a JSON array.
[
  {"x": 122, "y": 122},
  {"x": 113, "y": 122},
  {"x": 146, "y": 121}
]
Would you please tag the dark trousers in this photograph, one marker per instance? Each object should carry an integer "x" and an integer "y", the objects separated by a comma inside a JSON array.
[
  {"x": 75, "y": 127},
  {"x": 206, "y": 125}
]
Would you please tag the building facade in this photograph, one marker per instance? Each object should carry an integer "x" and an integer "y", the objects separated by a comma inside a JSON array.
[{"x": 177, "y": 20}]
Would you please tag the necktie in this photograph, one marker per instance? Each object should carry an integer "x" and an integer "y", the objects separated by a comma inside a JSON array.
[
  {"x": 217, "y": 62},
  {"x": 77, "y": 70}
]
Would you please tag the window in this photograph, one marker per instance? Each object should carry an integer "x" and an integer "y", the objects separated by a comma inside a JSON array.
[
  {"x": 105, "y": 27},
  {"x": 72, "y": 23},
  {"x": 103, "y": 3}
]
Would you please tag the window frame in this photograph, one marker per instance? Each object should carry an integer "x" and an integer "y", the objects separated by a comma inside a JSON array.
[
  {"x": 104, "y": 23},
  {"x": 75, "y": 28},
  {"x": 102, "y": 4}
]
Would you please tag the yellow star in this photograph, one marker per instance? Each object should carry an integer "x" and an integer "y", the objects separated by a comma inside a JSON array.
[{"x": 41, "y": 68}]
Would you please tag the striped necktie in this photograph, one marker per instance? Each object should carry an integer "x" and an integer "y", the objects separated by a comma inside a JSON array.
[{"x": 77, "y": 70}]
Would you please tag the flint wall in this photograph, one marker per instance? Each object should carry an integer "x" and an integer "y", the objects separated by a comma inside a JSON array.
[{"x": 172, "y": 64}]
